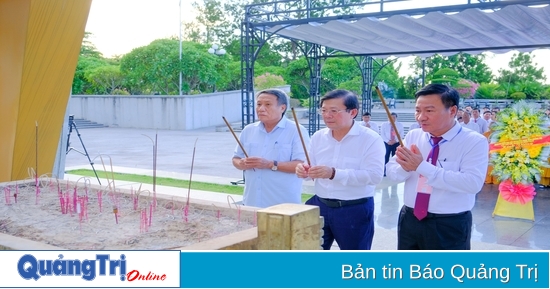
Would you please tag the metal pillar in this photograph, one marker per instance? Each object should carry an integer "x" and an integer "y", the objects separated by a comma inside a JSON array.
[
  {"x": 314, "y": 60},
  {"x": 367, "y": 76}
]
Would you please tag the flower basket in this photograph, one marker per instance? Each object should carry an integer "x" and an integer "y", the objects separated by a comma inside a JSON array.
[{"x": 518, "y": 153}]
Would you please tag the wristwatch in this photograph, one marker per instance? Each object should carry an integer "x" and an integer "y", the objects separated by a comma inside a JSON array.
[{"x": 274, "y": 167}]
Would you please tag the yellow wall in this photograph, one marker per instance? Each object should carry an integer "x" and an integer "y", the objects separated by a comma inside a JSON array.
[{"x": 39, "y": 46}]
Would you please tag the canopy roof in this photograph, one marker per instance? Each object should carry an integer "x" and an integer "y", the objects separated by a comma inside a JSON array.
[{"x": 514, "y": 27}]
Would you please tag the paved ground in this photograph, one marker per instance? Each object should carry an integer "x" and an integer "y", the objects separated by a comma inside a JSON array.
[{"x": 130, "y": 150}]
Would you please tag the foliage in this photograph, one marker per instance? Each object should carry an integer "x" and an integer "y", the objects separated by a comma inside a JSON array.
[
  {"x": 523, "y": 76},
  {"x": 268, "y": 80},
  {"x": 487, "y": 91},
  {"x": 522, "y": 69},
  {"x": 465, "y": 65},
  {"x": 105, "y": 79},
  {"x": 297, "y": 75},
  {"x": 518, "y": 95},
  {"x": 89, "y": 59},
  {"x": 81, "y": 85},
  {"x": 445, "y": 76},
  {"x": 519, "y": 160},
  {"x": 155, "y": 68}
]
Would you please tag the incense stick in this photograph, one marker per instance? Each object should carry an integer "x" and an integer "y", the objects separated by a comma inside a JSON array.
[
  {"x": 191, "y": 175},
  {"x": 389, "y": 115},
  {"x": 235, "y": 136},
  {"x": 300, "y": 134}
]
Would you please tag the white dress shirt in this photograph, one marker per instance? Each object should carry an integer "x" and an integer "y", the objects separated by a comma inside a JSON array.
[
  {"x": 358, "y": 159},
  {"x": 372, "y": 124},
  {"x": 385, "y": 132},
  {"x": 459, "y": 175},
  {"x": 264, "y": 187}
]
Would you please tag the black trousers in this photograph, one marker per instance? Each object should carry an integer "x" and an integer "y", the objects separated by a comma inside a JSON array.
[
  {"x": 390, "y": 150},
  {"x": 435, "y": 232}
]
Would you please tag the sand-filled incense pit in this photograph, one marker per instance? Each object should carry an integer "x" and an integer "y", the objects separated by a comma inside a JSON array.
[{"x": 82, "y": 217}]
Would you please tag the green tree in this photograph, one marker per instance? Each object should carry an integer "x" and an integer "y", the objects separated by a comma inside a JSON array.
[
  {"x": 89, "y": 58},
  {"x": 523, "y": 76},
  {"x": 446, "y": 76},
  {"x": 106, "y": 79},
  {"x": 471, "y": 67},
  {"x": 155, "y": 68}
]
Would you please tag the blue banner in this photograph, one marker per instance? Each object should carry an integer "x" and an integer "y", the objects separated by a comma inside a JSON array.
[{"x": 352, "y": 269}]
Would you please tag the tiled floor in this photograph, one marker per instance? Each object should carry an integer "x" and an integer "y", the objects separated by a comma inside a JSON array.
[{"x": 487, "y": 229}]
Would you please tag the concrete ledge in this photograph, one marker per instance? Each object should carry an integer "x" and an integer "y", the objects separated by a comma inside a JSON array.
[
  {"x": 243, "y": 240},
  {"x": 8, "y": 242}
]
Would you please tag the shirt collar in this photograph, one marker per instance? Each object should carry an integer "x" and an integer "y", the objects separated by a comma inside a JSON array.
[
  {"x": 451, "y": 133},
  {"x": 281, "y": 124}
]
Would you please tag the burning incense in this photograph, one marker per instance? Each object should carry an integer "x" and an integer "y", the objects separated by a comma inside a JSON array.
[{"x": 389, "y": 115}]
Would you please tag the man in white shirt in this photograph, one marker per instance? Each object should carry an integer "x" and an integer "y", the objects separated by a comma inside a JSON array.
[
  {"x": 467, "y": 122},
  {"x": 444, "y": 167},
  {"x": 480, "y": 121},
  {"x": 346, "y": 165},
  {"x": 368, "y": 123},
  {"x": 487, "y": 117},
  {"x": 389, "y": 136}
]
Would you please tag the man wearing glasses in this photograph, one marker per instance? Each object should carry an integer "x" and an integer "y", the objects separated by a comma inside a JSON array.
[{"x": 346, "y": 164}]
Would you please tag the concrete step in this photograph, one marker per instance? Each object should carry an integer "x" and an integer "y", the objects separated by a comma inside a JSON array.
[
  {"x": 383, "y": 117},
  {"x": 84, "y": 123}
]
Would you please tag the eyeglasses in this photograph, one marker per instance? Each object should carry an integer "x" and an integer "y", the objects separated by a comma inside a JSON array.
[{"x": 321, "y": 111}]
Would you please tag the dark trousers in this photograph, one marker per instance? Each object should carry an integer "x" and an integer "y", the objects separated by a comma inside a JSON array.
[
  {"x": 390, "y": 150},
  {"x": 351, "y": 226},
  {"x": 435, "y": 232}
]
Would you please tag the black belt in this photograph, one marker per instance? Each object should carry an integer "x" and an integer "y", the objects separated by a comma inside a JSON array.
[
  {"x": 432, "y": 215},
  {"x": 334, "y": 203}
]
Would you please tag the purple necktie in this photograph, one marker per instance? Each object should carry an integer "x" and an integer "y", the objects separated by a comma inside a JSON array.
[{"x": 423, "y": 199}]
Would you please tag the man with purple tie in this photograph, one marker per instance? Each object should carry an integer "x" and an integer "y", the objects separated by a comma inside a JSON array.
[{"x": 443, "y": 167}]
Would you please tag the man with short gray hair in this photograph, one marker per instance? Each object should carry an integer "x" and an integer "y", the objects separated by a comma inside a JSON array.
[{"x": 274, "y": 149}]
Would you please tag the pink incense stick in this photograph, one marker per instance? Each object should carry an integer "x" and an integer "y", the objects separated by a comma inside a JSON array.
[
  {"x": 239, "y": 215},
  {"x": 150, "y": 214},
  {"x": 7, "y": 195},
  {"x": 100, "y": 200},
  {"x": 62, "y": 204},
  {"x": 254, "y": 220},
  {"x": 75, "y": 199}
]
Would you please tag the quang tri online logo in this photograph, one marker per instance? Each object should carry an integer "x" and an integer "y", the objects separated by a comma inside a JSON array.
[{"x": 31, "y": 268}]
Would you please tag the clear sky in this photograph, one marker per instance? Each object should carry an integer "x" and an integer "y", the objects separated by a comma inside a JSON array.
[{"x": 118, "y": 26}]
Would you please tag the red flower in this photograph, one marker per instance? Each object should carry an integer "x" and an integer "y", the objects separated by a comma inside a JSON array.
[{"x": 516, "y": 193}]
